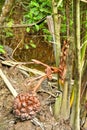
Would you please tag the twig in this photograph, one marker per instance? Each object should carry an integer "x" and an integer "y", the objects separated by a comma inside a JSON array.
[
  {"x": 16, "y": 47},
  {"x": 44, "y": 91},
  {"x": 24, "y": 25},
  {"x": 9, "y": 85},
  {"x": 21, "y": 67},
  {"x": 39, "y": 83},
  {"x": 39, "y": 62},
  {"x": 34, "y": 79},
  {"x": 37, "y": 122}
]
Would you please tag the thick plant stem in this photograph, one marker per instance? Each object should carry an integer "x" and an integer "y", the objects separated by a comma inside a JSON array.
[
  {"x": 64, "y": 113},
  {"x": 57, "y": 106},
  {"x": 57, "y": 21},
  {"x": 57, "y": 50},
  {"x": 75, "y": 115}
]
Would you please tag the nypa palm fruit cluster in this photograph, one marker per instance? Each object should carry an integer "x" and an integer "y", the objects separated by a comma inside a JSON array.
[{"x": 26, "y": 105}]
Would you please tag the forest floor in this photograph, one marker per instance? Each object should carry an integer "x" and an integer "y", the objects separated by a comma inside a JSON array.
[{"x": 44, "y": 120}]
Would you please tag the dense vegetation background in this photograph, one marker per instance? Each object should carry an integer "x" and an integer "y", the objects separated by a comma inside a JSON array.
[{"x": 24, "y": 24}]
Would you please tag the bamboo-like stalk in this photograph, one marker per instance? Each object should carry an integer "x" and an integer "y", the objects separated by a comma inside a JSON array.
[
  {"x": 8, "y": 84},
  {"x": 65, "y": 105},
  {"x": 75, "y": 116},
  {"x": 57, "y": 48},
  {"x": 57, "y": 22}
]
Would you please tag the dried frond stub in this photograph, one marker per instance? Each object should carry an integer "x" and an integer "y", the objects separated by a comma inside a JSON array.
[{"x": 26, "y": 105}]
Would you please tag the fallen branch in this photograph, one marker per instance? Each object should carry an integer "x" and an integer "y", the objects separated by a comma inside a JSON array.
[
  {"x": 24, "y": 25},
  {"x": 8, "y": 84},
  {"x": 27, "y": 69}
]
